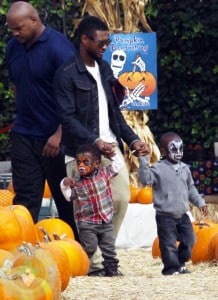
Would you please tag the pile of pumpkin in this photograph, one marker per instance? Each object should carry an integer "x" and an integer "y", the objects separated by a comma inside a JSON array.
[
  {"x": 36, "y": 260},
  {"x": 206, "y": 246},
  {"x": 142, "y": 195}
]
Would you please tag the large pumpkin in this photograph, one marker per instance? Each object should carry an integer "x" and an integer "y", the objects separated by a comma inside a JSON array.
[
  {"x": 43, "y": 265},
  {"x": 25, "y": 286},
  {"x": 203, "y": 237},
  {"x": 213, "y": 248},
  {"x": 133, "y": 79},
  {"x": 54, "y": 225}
]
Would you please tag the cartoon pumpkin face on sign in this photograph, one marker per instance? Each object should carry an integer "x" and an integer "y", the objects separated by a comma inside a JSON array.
[{"x": 132, "y": 79}]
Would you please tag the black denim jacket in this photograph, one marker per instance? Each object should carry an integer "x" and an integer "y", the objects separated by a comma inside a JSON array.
[{"x": 77, "y": 95}]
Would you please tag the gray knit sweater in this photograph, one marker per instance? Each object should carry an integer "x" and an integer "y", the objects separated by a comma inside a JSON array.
[{"x": 172, "y": 189}]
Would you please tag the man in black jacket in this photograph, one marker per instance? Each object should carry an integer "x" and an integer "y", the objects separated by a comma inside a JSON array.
[{"x": 89, "y": 95}]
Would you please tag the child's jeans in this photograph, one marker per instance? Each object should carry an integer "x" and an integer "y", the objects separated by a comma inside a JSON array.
[{"x": 170, "y": 230}]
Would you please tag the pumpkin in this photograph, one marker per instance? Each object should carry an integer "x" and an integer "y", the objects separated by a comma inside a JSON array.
[
  {"x": 133, "y": 79},
  {"x": 133, "y": 193},
  {"x": 213, "y": 248},
  {"x": 197, "y": 225},
  {"x": 47, "y": 191},
  {"x": 78, "y": 258},
  {"x": 43, "y": 265},
  {"x": 10, "y": 187},
  {"x": 53, "y": 225},
  {"x": 60, "y": 256},
  {"x": 10, "y": 229},
  {"x": 155, "y": 250},
  {"x": 200, "y": 248},
  {"x": 5, "y": 255},
  {"x": 6, "y": 197},
  {"x": 23, "y": 285},
  {"x": 28, "y": 229},
  {"x": 145, "y": 195}
]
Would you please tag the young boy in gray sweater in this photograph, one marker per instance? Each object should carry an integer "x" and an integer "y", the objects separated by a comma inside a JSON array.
[{"x": 173, "y": 188}]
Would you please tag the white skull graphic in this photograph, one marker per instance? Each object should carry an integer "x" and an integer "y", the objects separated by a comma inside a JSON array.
[{"x": 118, "y": 59}]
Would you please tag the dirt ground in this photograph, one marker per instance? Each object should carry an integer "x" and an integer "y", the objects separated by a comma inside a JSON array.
[{"x": 143, "y": 280}]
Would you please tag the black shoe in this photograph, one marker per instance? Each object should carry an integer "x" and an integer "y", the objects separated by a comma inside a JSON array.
[
  {"x": 183, "y": 270},
  {"x": 113, "y": 273},
  {"x": 99, "y": 273}
]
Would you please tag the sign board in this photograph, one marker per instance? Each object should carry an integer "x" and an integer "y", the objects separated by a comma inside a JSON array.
[{"x": 133, "y": 59}]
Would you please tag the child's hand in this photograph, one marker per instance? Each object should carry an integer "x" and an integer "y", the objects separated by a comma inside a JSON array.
[
  {"x": 204, "y": 210},
  {"x": 69, "y": 182}
]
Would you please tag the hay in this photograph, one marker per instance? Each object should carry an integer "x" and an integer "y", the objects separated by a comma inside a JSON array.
[
  {"x": 143, "y": 280},
  {"x": 212, "y": 212}
]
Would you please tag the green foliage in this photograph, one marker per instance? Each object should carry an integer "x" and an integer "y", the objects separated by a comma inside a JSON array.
[
  {"x": 187, "y": 68},
  {"x": 187, "y": 65}
]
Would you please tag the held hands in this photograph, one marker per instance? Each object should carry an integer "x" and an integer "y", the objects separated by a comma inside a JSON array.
[
  {"x": 69, "y": 182},
  {"x": 203, "y": 210},
  {"x": 140, "y": 148},
  {"x": 107, "y": 149}
]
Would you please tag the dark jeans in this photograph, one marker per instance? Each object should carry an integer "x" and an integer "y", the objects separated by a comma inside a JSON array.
[
  {"x": 169, "y": 231},
  {"x": 102, "y": 235},
  {"x": 29, "y": 171}
]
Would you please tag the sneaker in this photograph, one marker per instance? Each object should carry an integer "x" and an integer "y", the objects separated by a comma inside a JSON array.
[
  {"x": 99, "y": 273},
  {"x": 183, "y": 270},
  {"x": 113, "y": 273}
]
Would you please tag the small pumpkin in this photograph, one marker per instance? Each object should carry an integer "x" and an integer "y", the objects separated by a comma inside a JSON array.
[
  {"x": 134, "y": 193},
  {"x": 145, "y": 195}
]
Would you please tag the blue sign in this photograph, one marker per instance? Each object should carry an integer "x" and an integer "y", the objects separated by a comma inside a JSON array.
[{"x": 133, "y": 59}]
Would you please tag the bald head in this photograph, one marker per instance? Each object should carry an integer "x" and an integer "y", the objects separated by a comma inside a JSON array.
[
  {"x": 24, "y": 22},
  {"x": 21, "y": 9}
]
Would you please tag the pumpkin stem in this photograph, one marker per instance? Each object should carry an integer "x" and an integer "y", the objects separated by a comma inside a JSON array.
[{"x": 46, "y": 236}]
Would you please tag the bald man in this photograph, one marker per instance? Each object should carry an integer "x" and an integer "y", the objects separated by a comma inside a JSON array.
[{"x": 34, "y": 53}]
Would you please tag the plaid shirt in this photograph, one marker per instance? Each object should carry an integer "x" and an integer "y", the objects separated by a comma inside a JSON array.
[{"x": 93, "y": 194}]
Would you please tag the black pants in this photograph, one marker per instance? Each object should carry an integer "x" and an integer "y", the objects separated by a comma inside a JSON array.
[
  {"x": 169, "y": 231},
  {"x": 29, "y": 171}
]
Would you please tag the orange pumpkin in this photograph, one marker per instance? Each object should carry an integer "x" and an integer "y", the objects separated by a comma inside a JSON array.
[
  {"x": 24, "y": 285},
  {"x": 43, "y": 265},
  {"x": 79, "y": 259},
  {"x": 10, "y": 229},
  {"x": 203, "y": 237},
  {"x": 133, "y": 79},
  {"x": 54, "y": 225},
  {"x": 5, "y": 255},
  {"x": 61, "y": 258},
  {"x": 133, "y": 194},
  {"x": 145, "y": 195},
  {"x": 6, "y": 197},
  {"x": 47, "y": 191},
  {"x": 156, "y": 248},
  {"x": 28, "y": 229},
  {"x": 213, "y": 248},
  {"x": 10, "y": 187}
]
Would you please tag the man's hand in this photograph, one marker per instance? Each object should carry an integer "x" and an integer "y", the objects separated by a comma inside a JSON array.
[
  {"x": 141, "y": 148},
  {"x": 107, "y": 149},
  {"x": 52, "y": 147}
]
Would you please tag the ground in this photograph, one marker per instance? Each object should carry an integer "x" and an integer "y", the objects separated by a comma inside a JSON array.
[{"x": 143, "y": 280}]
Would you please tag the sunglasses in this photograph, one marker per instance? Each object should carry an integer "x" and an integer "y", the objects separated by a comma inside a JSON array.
[{"x": 101, "y": 43}]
